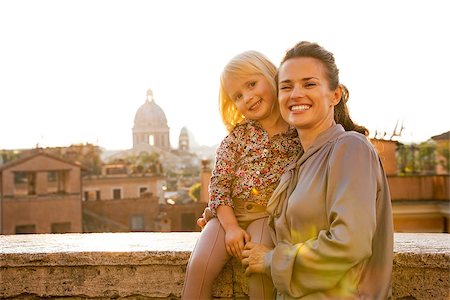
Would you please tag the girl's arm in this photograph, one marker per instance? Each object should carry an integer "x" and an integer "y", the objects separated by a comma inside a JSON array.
[
  {"x": 235, "y": 236},
  {"x": 221, "y": 203}
]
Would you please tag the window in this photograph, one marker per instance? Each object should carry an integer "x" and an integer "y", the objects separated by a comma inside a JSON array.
[
  {"x": 117, "y": 194},
  {"x": 20, "y": 177},
  {"x": 52, "y": 176},
  {"x": 61, "y": 227},
  {"x": 20, "y": 183},
  {"x": 142, "y": 190},
  {"x": 56, "y": 182},
  {"x": 92, "y": 195},
  {"x": 137, "y": 223},
  {"x": 25, "y": 229}
]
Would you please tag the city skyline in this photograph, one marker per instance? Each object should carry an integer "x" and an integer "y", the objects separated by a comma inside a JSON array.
[{"x": 75, "y": 72}]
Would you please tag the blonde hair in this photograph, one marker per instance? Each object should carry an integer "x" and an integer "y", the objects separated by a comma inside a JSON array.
[{"x": 244, "y": 64}]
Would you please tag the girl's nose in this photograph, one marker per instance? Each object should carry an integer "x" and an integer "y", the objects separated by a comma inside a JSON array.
[{"x": 248, "y": 96}]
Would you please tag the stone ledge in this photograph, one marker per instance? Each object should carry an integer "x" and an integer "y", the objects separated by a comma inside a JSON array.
[{"x": 152, "y": 266}]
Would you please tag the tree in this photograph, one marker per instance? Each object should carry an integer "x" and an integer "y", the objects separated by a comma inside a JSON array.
[
  {"x": 443, "y": 153},
  {"x": 194, "y": 192}
]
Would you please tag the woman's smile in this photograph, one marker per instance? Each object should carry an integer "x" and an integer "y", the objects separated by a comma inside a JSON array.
[{"x": 302, "y": 107}]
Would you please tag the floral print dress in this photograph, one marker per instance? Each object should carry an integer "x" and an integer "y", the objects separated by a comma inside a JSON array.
[{"x": 249, "y": 164}]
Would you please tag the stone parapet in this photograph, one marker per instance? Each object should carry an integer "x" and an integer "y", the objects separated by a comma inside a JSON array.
[{"x": 152, "y": 266}]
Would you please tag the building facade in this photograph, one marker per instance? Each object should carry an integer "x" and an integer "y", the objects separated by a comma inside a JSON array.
[{"x": 40, "y": 193}]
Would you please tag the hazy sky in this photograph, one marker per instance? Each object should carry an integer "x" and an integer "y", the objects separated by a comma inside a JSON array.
[{"x": 77, "y": 71}]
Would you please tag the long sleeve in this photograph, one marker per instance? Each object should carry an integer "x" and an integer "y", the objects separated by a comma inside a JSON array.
[
  {"x": 223, "y": 173},
  {"x": 335, "y": 254}
]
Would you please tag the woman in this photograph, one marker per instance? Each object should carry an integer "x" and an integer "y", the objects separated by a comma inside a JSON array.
[
  {"x": 331, "y": 214},
  {"x": 249, "y": 163}
]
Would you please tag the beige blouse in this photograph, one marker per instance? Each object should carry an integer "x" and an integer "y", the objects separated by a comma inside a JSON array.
[{"x": 331, "y": 221}]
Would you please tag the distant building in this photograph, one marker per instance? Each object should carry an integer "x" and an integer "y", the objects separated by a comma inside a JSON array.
[
  {"x": 183, "y": 140},
  {"x": 150, "y": 126},
  {"x": 151, "y": 135},
  {"x": 40, "y": 193},
  {"x": 119, "y": 200}
]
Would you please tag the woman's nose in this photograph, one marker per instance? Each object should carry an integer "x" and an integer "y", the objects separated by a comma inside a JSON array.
[{"x": 297, "y": 92}]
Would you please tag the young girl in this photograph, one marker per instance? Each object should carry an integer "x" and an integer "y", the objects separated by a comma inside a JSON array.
[{"x": 249, "y": 163}]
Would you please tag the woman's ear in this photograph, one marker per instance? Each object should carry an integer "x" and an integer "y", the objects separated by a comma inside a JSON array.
[{"x": 337, "y": 95}]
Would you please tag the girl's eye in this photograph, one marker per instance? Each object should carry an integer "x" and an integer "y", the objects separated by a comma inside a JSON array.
[
  {"x": 284, "y": 87},
  {"x": 238, "y": 97},
  {"x": 252, "y": 84}
]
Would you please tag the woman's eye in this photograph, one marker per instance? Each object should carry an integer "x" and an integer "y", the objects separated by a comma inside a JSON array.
[
  {"x": 310, "y": 84},
  {"x": 283, "y": 88},
  {"x": 238, "y": 97},
  {"x": 252, "y": 84}
]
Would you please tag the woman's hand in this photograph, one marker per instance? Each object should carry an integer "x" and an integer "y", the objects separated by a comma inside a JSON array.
[
  {"x": 253, "y": 258},
  {"x": 235, "y": 240}
]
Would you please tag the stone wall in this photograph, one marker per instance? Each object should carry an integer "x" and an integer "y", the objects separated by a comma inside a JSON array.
[{"x": 152, "y": 266}]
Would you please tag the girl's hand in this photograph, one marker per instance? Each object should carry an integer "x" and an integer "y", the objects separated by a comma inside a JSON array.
[
  {"x": 235, "y": 240},
  {"x": 201, "y": 222},
  {"x": 253, "y": 258},
  {"x": 206, "y": 216}
]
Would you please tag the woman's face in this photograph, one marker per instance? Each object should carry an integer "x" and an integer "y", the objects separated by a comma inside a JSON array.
[
  {"x": 253, "y": 96},
  {"x": 305, "y": 98}
]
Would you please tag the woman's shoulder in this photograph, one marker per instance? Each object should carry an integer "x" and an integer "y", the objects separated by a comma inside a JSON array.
[
  {"x": 353, "y": 137},
  {"x": 353, "y": 141}
]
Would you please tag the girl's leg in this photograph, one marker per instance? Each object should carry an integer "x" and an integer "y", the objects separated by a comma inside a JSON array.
[
  {"x": 207, "y": 260},
  {"x": 260, "y": 286}
]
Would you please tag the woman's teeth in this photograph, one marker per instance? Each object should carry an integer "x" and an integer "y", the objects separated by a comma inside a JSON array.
[{"x": 302, "y": 107}]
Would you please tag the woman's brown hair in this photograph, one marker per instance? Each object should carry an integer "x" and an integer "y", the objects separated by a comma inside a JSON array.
[{"x": 313, "y": 50}]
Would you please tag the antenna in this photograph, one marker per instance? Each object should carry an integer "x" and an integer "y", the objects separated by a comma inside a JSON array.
[
  {"x": 401, "y": 128},
  {"x": 399, "y": 133},
  {"x": 395, "y": 130}
]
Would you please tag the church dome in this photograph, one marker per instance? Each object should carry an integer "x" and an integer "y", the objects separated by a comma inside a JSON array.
[
  {"x": 184, "y": 132},
  {"x": 150, "y": 115}
]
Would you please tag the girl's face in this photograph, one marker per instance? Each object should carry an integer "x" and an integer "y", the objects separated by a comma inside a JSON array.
[
  {"x": 253, "y": 96},
  {"x": 305, "y": 98}
]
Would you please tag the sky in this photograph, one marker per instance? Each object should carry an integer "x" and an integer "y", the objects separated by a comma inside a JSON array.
[{"x": 77, "y": 71}]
